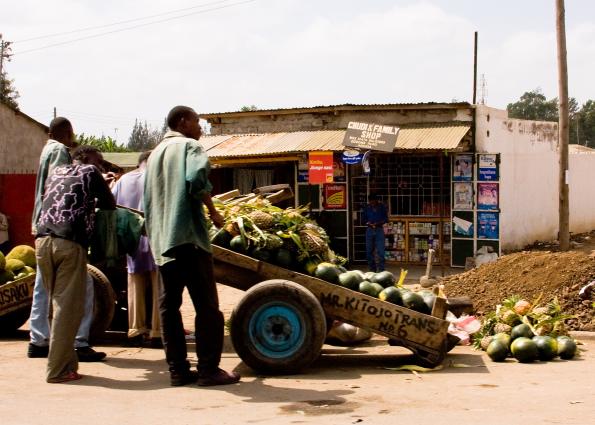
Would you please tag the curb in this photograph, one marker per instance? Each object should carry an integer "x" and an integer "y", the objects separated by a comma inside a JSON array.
[{"x": 583, "y": 335}]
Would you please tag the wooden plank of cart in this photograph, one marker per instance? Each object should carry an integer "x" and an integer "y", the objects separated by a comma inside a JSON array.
[{"x": 280, "y": 325}]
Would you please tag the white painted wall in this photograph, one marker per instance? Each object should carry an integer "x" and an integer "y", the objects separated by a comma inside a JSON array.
[{"x": 529, "y": 178}]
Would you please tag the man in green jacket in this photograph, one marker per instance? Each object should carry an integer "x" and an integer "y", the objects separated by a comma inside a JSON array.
[{"x": 176, "y": 188}]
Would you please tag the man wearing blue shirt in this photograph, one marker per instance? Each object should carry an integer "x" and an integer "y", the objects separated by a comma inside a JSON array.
[{"x": 374, "y": 215}]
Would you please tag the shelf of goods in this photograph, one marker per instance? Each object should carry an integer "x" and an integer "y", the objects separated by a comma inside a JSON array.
[{"x": 408, "y": 239}]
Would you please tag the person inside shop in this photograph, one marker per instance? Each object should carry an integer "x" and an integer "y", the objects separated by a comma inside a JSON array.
[{"x": 375, "y": 216}]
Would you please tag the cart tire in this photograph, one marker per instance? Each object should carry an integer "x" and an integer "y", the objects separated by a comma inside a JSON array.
[
  {"x": 11, "y": 322},
  {"x": 279, "y": 327},
  {"x": 104, "y": 303}
]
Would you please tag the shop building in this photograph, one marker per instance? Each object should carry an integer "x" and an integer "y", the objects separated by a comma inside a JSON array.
[
  {"x": 255, "y": 148},
  {"x": 21, "y": 141}
]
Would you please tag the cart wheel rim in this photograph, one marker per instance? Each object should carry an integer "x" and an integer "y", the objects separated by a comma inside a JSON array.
[{"x": 277, "y": 330}]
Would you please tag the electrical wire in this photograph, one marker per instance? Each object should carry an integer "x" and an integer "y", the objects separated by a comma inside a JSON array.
[
  {"x": 127, "y": 21},
  {"x": 132, "y": 27}
]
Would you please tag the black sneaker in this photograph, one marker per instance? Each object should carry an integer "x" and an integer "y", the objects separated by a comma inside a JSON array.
[
  {"x": 37, "y": 352},
  {"x": 217, "y": 377},
  {"x": 178, "y": 379},
  {"x": 87, "y": 354}
]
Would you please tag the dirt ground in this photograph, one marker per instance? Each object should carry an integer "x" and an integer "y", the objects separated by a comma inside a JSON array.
[
  {"x": 539, "y": 271},
  {"x": 345, "y": 386}
]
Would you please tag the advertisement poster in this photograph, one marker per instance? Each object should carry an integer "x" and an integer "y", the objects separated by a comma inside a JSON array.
[
  {"x": 351, "y": 156},
  {"x": 462, "y": 224},
  {"x": 320, "y": 167},
  {"x": 372, "y": 136},
  {"x": 487, "y": 196},
  {"x": 488, "y": 167},
  {"x": 335, "y": 196},
  {"x": 487, "y": 225},
  {"x": 338, "y": 168},
  {"x": 462, "y": 196},
  {"x": 463, "y": 168}
]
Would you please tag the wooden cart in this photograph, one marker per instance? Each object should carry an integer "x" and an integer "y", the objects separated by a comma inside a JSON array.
[{"x": 280, "y": 324}]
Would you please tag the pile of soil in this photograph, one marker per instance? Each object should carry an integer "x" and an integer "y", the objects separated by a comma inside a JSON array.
[{"x": 531, "y": 274}]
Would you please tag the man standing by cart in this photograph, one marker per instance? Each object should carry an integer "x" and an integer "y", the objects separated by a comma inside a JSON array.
[
  {"x": 142, "y": 270},
  {"x": 374, "y": 215},
  {"x": 54, "y": 154},
  {"x": 176, "y": 188}
]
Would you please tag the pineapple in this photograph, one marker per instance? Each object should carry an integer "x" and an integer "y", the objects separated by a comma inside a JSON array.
[
  {"x": 262, "y": 219},
  {"x": 312, "y": 242},
  {"x": 502, "y": 328},
  {"x": 485, "y": 341}
]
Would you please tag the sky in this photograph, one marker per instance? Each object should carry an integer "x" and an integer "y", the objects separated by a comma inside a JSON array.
[{"x": 222, "y": 55}]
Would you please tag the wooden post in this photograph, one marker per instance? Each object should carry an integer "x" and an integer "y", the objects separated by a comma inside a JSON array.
[{"x": 563, "y": 132}]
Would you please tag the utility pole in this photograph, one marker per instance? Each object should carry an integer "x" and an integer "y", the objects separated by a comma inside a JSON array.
[
  {"x": 2, "y": 64},
  {"x": 475, "y": 68},
  {"x": 563, "y": 131},
  {"x": 54, "y": 112}
]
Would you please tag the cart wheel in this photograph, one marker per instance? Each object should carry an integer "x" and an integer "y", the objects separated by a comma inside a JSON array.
[
  {"x": 278, "y": 327},
  {"x": 104, "y": 303},
  {"x": 11, "y": 322}
]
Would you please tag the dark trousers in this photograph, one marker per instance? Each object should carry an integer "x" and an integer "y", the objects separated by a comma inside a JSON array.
[{"x": 193, "y": 269}]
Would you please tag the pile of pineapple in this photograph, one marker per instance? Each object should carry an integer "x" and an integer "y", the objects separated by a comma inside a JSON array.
[{"x": 286, "y": 237}]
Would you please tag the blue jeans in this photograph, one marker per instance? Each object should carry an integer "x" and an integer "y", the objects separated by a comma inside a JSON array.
[
  {"x": 375, "y": 248},
  {"x": 39, "y": 320}
]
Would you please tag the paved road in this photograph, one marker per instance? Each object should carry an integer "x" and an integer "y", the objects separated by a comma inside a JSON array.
[{"x": 345, "y": 386}]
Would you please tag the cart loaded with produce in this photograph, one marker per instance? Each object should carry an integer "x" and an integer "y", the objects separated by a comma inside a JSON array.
[{"x": 296, "y": 285}]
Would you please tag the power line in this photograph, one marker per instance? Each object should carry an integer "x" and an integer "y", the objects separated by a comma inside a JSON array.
[
  {"x": 133, "y": 27},
  {"x": 127, "y": 21}
]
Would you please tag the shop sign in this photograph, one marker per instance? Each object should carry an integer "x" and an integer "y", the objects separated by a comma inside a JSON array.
[
  {"x": 488, "y": 167},
  {"x": 487, "y": 225},
  {"x": 377, "y": 137},
  {"x": 335, "y": 196},
  {"x": 320, "y": 167},
  {"x": 351, "y": 156}
]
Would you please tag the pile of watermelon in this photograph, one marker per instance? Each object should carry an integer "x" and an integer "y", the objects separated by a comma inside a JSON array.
[{"x": 382, "y": 285}]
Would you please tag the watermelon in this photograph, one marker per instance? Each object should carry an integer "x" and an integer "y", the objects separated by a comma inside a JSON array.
[
  {"x": 414, "y": 301},
  {"x": 238, "y": 244},
  {"x": 370, "y": 288},
  {"x": 350, "y": 280},
  {"x": 283, "y": 258},
  {"x": 385, "y": 279},
  {"x": 391, "y": 295},
  {"x": 524, "y": 349},
  {"x": 328, "y": 272}
]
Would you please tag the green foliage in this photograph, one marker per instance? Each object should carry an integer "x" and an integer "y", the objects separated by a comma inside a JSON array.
[
  {"x": 533, "y": 105},
  {"x": 143, "y": 137},
  {"x": 248, "y": 108},
  {"x": 103, "y": 143},
  {"x": 8, "y": 94}
]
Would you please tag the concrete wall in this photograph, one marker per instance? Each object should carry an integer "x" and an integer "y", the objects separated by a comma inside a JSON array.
[
  {"x": 21, "y": 142},
  {"x": 529, "y": 178},
  {"x": 300, "y": 121}
]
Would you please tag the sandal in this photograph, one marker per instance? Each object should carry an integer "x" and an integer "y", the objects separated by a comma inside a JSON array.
[{"x": 70, "y": 376}]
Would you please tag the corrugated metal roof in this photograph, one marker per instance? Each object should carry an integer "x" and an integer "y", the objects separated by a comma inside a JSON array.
[
  {"x": 122, "y": 159},
  {"x": 345, "y": 106},
  {"x": 431, "y": 137}
]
